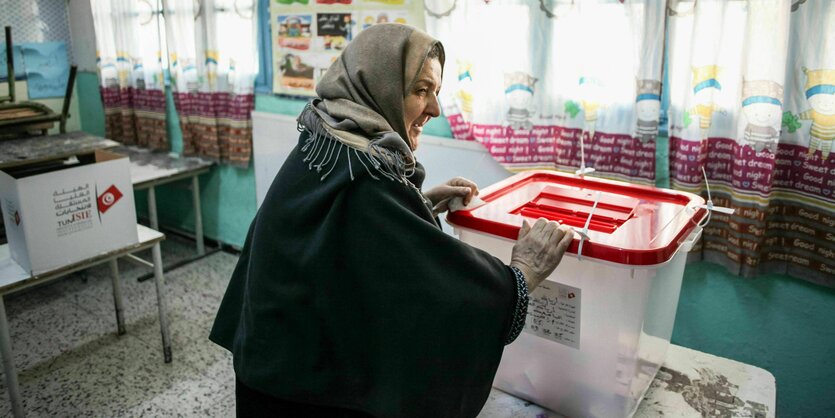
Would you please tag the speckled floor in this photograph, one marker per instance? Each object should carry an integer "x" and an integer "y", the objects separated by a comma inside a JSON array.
[{"x": 70, "y": 361}]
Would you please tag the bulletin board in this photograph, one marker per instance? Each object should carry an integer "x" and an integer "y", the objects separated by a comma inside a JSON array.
[{"x": 308, "y": 35}]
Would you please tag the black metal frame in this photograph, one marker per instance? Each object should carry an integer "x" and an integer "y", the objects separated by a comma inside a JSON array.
[{"x": 47, "y": 115}]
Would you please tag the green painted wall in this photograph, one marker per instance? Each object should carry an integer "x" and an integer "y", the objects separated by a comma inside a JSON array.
[
  {"x": 227, "y": 196},
  {"x": 775, "y": 322},
  {"x": 91, "y": 110}
]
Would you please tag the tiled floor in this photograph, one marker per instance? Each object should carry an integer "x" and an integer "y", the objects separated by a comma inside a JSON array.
[{"x": 70, "y": 361}]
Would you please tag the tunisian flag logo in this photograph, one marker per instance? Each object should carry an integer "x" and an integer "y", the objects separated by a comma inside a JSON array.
[{"x": 108, "y": 198}]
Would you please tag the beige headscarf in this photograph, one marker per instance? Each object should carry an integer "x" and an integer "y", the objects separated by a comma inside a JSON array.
[{"x": 361, "y": 96}]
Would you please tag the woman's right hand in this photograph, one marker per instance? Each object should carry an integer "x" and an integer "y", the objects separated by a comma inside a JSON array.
[{"x": 539, "y": 249}]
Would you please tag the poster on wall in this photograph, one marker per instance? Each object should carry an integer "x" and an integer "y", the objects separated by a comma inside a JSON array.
[
  {"x": 294, "y": 31},
  {"x": 309, "y": 35},
  {"x": 297, "y": 72},
  {"x": 334, "y": 30}
]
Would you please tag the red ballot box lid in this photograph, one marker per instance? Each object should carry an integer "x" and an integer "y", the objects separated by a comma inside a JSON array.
[{"x": 631, "y": 224}]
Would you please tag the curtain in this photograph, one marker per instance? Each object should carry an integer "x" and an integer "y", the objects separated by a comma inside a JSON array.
[
  {"x": 539, "y": 85},
  {"x": 130, "y": 71},
  {"x": 213, "y": 63},
  {"x": 752, "y": 103}
]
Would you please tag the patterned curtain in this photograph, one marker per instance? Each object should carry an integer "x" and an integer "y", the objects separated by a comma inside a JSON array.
[
  {"x": 130, "y": 71},
  {"x": 213, "y": 64},
  {"x": 752, "y": 94},
  {"x": 538, "y": 85}
]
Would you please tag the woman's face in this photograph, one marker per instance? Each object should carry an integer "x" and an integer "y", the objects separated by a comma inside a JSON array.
[{"x": 421, "y": 104}]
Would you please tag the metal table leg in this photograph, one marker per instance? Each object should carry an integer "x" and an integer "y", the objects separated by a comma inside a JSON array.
[
  {"x": 152, "y": 208},
  {"x": 159, "y": 282},
  {"x": 8, "y": 364},
  {"x": 198, "y": 215},
  {"x": 117, "y": 296}
]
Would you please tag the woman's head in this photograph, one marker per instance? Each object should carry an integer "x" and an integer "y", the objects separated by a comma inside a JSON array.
[
  {"x": 378, "y": 75},
  {"x": 421, "y": 102}
]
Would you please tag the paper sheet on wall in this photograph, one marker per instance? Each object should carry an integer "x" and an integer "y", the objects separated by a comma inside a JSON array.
[{"x": 47, "y": 69}]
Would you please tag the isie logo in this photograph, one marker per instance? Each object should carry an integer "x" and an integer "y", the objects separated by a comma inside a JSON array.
[
  {"x": 107, "y": 199},
  {"x": 11, "y": 212}
]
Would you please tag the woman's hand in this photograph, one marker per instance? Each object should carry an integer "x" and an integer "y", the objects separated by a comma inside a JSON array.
[
  {"x": 457, "y": 187},
  {"x": 539, "y": 249}
]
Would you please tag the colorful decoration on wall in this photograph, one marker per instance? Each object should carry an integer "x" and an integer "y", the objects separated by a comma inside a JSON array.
[
  {"x": 294, "y": 31},
  {"x": 309, "y": 35}
]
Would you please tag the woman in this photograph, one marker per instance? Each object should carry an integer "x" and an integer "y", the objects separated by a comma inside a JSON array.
[{"x": 348, "y": 299}]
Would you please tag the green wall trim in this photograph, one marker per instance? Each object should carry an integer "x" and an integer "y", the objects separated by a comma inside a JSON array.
[{"x": 280, "y": 105}]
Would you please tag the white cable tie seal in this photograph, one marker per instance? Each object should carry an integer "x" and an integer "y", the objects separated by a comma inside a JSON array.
[
  {"x": 709, "y": 204},
  {"x": 583, "y": 169},
  {"x": 721, "y": 209},
  {"x": 584, "y": 234}
]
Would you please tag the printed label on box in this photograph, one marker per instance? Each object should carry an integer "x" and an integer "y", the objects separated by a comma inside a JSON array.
[
  {"x": 73, "y": 209},
  {"x": 554, "y": 313}
]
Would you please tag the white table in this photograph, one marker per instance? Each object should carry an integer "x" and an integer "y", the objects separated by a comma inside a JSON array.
[
  {"x": 149, "y": 169},
  {"x": 13, "y": 278},
  {"x": 689, "y": 384}
]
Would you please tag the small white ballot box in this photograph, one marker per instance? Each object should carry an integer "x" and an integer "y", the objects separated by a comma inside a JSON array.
[
  {"x": 61, "y": 212},
  {"x": 598, "y": 328}
]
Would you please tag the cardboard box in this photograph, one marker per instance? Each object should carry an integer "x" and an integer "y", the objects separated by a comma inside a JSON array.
[{"x": 57, "y": 213}]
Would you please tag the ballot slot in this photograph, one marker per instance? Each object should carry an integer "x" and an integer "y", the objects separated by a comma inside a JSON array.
[{"x": 572, "y": 207}]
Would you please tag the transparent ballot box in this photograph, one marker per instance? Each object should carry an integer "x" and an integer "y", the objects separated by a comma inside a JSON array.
[{"x": 598, "y": 328}]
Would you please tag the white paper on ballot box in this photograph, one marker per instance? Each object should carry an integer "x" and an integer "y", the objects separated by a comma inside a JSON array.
[{"x": 554, "y": 313}]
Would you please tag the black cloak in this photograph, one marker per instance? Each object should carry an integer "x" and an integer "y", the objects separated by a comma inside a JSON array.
[{"x": 348, "y": 294}]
